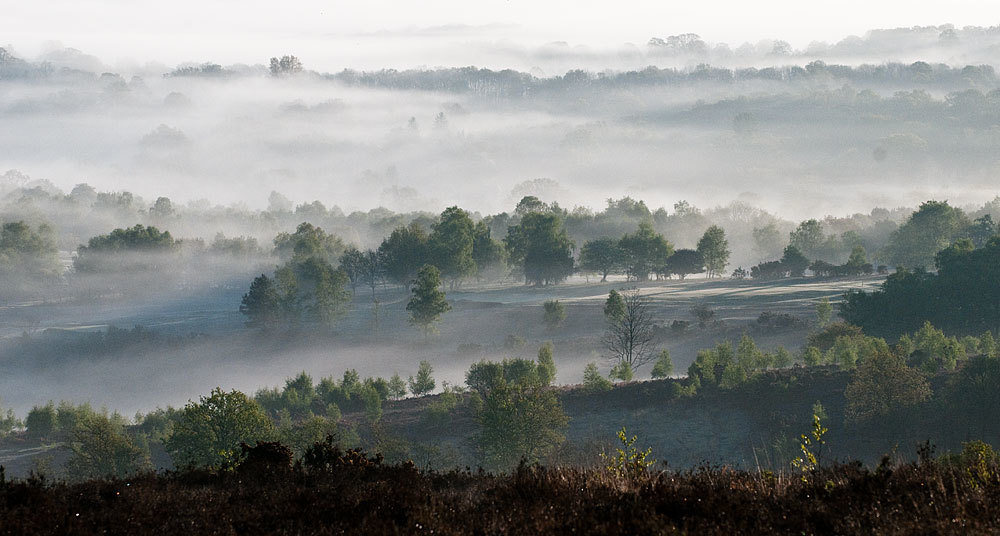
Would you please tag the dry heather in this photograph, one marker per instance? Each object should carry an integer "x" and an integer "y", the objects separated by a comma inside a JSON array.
[{"x": 331, "y": 492}]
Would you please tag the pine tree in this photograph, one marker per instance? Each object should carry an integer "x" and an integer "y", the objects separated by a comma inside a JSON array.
[{"x": 262, "y": 304}]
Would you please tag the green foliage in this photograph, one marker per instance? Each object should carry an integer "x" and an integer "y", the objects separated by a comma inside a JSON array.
[
  {"x": 644, "y": 251},
  {"x": 614, "y": 306},
  {"x": 824, "y": 339},
  {"x": 622, "y": 371},
  {"x": 980, "y": 463},
  {"x": 602, "y": 256},
  {"x": 782, "y": 358},
  {"x": 934, "y": 351},
  {"x": 555, "y": 313},
  {"x": 41, "y": 421},
  {"x": 593, "y": 381},
  {"x": 262, "y": 304},
  {"x": 807, "y": 239},
  {"x": 823, "y": 311},
  {"x": 438, "y": 412},
  {"x": 882, "y": 384},
  {"x": 8, "y": 423},
  {"x": 28, "y": 254},
  {"x": 98, "y": 255},
  {"x": 664, "y": 366},
  {"x": 404, "y": 251},
  {"x": 540, "y": 248},
  {"x": 519, "y": 422},
  {"x": 397, "y": 387},
  {"x": 714, "y": 249},
  {"x": 427, "y": 302},
  {"x": 988, "y": 345},
  {"x": 489, "y": 254},
  {"x": 209, "y": 432},
  {"x": 793, "y": 261},
  {"x": 102, "y": 448},
  {"x": 811, "y": 356},
  {"x": 308, "y": 241},
  {"x": 961, "y": 297},
  {"x": 930, "y": 229},
  {"x": 546, "y": 365},
  {"x": 451, "y": 245},
  {"x": 811, "y": 448},
  {"x": 628, "y": 462},
  {"x": 684, "y": 262},
  {"x": 424, "y": 382}
]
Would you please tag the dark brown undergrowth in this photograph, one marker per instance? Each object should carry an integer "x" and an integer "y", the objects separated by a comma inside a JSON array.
[{"x": 334, "y": 492}]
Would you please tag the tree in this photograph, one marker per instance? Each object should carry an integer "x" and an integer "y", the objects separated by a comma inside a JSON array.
[
  {"x": 593, "y": 381},
  {"x": 262, "y": 304},
  {"x": 808, "y": 237},
  {"x": 622, "y": 371},
  {"x": 684, "y": 262},
  {"x": 397, "y": 387},
  {"x": 41, "y": 421},
  {"x": 614, "y": 306},
  {"x": 793, "y": 261},
  {"x": 928, "y": 230},
  {"x": 883, "y": 384},
  {"x": 209, "y": 432},
  {"x": 427, "y": 303},
  {"x": 555, "y": 313},
  {"x": 162, "y": 208},
  {"x": 308, "y": 241},
  {"x": 101, "y": 448},
  {"x": 664, "y": 366},
  {"x": 629, "y": 336},
  {"x": 27, "y": 254},
  {"x": 519, "y": 422},
  {"x": 546, "y": 365},
  {"x": 104, "y": 252},
  {"x": 424, "y": 382},
  {"x": 823, "y": 311},
  {"x": 601, "y": 255},
  {"x": 372, "y": 269},
  {"x": 287, "y": 65},
  {"x": 451, "y": 245},
  {"x": 540, "y": 247},
  {"x": 488, "y": 254},
  {"x": 352, "y": 263},
  {"x": 714, "y": 249},
  {"x": 644, "y": 251},
  {"x": 403, "y": 252}
]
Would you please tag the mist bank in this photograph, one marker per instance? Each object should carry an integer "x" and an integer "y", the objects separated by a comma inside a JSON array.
[{"x": 787, "y": 136}]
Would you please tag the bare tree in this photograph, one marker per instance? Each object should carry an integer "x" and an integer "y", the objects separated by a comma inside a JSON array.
[{"x": 629, "y": 337}]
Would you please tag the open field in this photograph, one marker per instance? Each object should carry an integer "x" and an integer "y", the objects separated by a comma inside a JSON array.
[{"x": 230, "y": 356}]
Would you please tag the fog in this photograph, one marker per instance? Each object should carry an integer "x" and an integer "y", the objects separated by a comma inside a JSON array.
[{"x": 230, "y": 153}]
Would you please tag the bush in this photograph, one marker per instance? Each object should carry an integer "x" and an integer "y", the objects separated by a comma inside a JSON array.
[
  {"x": 664, "y": 366},
  {"x": 555, "y": 313},
  {"x": 41, "y": 421},
  {"x": 593, "y": 381},
  {"x": 703, "y": 314}
]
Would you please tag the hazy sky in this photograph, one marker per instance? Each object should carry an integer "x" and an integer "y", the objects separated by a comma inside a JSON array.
[{"x": 338, "y": 32}]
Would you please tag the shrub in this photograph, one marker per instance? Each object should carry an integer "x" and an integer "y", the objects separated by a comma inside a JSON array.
[
  {"x": 41, "y": 421},
  {"x": 664, "y": 366},
  {"x": 555, "y": 314},
  {"x": 593, "y": 381}
]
